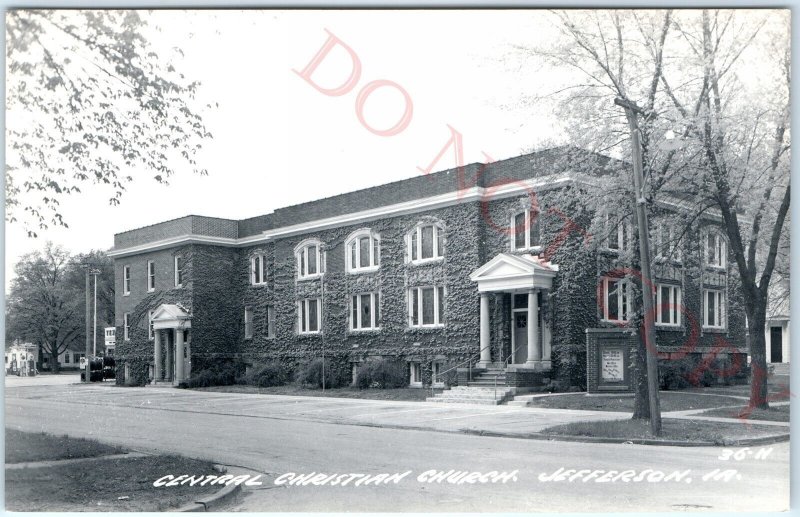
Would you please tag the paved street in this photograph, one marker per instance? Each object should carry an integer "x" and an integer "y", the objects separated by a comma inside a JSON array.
[{"x": 279, "y": 435}]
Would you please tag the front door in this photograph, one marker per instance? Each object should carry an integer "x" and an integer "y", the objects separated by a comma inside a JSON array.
[
  {"x": 520, "y": 336},
  {"x": 775, "y": 344}
]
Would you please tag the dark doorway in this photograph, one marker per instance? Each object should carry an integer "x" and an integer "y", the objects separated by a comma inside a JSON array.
[{"x": 776, "y": 344}]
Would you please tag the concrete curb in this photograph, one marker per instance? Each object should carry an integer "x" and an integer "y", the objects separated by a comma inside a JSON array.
[
  {"x": 214, "y": 501},
  {"x": 764, "y": 440}
]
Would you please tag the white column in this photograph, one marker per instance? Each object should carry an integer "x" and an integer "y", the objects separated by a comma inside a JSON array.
[
  {"x": 187, "y": 367},
  {"x": 157, "y": 356},
  {"x": 486, "y": 353},
  {"x": 169, "y": 349},
  {"x": 534, "y": 350},
  {"x": 178, "y": 355}
]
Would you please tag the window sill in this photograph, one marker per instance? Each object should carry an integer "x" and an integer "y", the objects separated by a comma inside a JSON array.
[
  {"x": 262, "y": 284},
  {"x": 718, "y": 269},
  {"x": 669, "y": 328},
  {"x": 151, "y": 290},
  {"x": 715, "y": 330},
  {"x": 309, "y": 334},
  {"x": 358, "y": 271},
  {"x": 310, "y": 277},
  {"x": 532, "y": 249},
  {"x": 425, "y": 327},
  {"x": 415, "y": 384},
  {"x": 421, "y": 262},
  {"x": 126, "y": 294},
  {"x": 364, "y": 331}
]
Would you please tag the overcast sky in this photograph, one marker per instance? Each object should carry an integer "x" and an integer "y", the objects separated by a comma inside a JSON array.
[{"x": 278, "y": 141}]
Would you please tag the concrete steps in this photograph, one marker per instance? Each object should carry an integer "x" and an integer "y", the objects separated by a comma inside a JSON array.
[{"x": 473, "y": 395}]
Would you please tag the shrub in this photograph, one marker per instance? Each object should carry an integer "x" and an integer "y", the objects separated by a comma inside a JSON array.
[
  {"x": 222, "y": 374},
  {"x": 310, "y": 374},
  {"x": 272, "y": 373},
  {"x": 382, "y": 374}
]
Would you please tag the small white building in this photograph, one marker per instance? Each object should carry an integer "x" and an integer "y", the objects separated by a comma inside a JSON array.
[
  {"x": 110, "y": 340},
  {"x": 21, "y": 359}
]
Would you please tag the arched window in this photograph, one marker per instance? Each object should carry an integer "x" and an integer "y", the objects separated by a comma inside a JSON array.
[
  {"x": 425, "y": 242},
  {"x": 526, "y": 230},
  {"x": 362, "y": 251},
  {"x": 310, "y": 259},
  {"x": 716, "y": 249}
]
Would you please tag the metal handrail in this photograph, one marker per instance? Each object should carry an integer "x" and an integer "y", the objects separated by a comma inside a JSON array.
[
  {"x": 468, "y": 360},
  {"x": 505, "y": 365}
]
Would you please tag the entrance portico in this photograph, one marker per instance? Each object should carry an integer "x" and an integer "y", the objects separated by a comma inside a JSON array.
[
  {"x": 171, "y": 344},
  {"x": 525, "y": 278}
]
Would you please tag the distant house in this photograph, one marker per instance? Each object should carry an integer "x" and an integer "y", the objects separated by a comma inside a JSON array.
[{"x": 67, "y": 360}]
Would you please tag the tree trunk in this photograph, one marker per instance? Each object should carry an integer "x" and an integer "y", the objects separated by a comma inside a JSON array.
[
  {"x": 54, "y": 366},
  {"x": 758, "y": 362}
]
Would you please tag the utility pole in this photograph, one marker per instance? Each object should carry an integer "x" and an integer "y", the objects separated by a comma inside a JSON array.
[
  {"x": 632, "y": 112},
  {"x": 88, "y": 323},
  {"x": 94, "y": 272}
]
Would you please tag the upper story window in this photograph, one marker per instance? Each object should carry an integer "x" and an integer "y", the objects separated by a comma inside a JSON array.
[
  {"x": 310, "y": 259},
  {"x": 178, "y": 271},
  {"x": 714, "y": 308},
  {"x": 526, "y": 230},
  {"x": 426, "y": 307},
  {"x": 619, "y": 232},
  {"x": 151, "y": 276},
  {"x": 668, "y": 305},
  {"x": 425, "y": 242},
  {"x": 363, "y": 252},
  {"x": 716, "y": 249},
  {"x": 666, "y": 242},
  {"x": 258, "y": 269},
  {"x": 126, "y": 280},
  {"x": 615, "y": 299}
]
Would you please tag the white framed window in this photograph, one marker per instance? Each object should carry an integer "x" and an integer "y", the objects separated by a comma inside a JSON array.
[
  {"x": 151, "y": 333},
  {"x": 178, "y": 271},
  {"x": 362, "y": 252},
  {"x": 126, "y": 280},
  {"x": 309, "y": 315},
  {"x": 526, "y": 230},
  {"x": 668, "y": 305},
  {"x": 619, "y": 233},
  {"x": 425, "y": 243},
  {"x": 248, "y": 322},
  {"x": 666, "y": 243},
  {"x": 151, "y": 276},
  {"x": 270, "y": 321},
  {"x": 616, "y": 299},
  {"x": 415, "y": 374},
  {"x": 126, "y": 326},
  {"x": 258, "y": 270},
  {"x": 365, "y": 311},
  {"x": 714, "y": 310},
  {"x": 426, "y": 307},
  {"x": 716, "y": 249},
  {"x": 310, "y": 259}
]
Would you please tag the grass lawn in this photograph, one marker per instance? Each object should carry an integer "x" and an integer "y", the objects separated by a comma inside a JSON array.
[
  {"x": 411, "y": 394},
  {"x": 680, "y": 430},
  {"x": 670, "y": 401},
  {"x": 98, "y": 484},
  {"x": 773, "y": 414},
  {"x": 24, "y": 447}
]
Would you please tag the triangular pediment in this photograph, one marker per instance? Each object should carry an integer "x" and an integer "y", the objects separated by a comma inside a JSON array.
[
  {"x": 169, "y": 311},
  {"x": 507, "y": 265}
]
